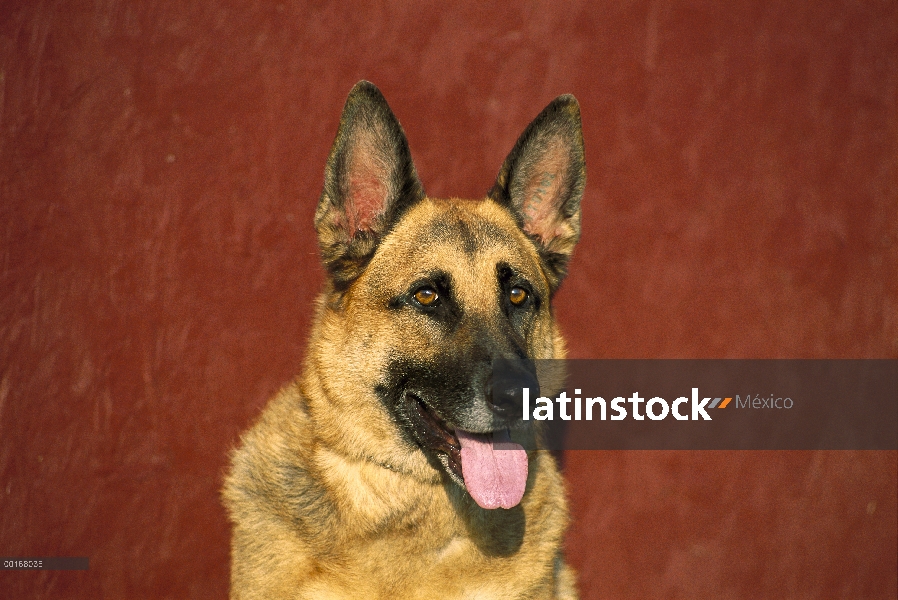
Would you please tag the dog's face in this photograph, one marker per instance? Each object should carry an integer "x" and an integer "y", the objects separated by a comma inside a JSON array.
[{"x": 433, "y": 291}]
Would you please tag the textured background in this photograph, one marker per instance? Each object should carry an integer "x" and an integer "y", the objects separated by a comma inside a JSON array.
[{"x": 159, "y": 167}]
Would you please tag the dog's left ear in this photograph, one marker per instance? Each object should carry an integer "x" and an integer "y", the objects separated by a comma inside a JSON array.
[
  {"x": 541, "y": 183},
  {"x": 369, "y": 181}
]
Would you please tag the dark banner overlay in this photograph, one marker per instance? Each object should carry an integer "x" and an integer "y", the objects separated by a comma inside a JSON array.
[
  {"x": 666, "y": 404},
  {"x": 53, "y": 563}
]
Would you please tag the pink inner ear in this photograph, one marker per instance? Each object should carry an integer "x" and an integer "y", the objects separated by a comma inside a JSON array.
[
  {"x": 367, "y": 195},
  {"x": 542, "y": 193},
  {"x": 367, "y": 190}
]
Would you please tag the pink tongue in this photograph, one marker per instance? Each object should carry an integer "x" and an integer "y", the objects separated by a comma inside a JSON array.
[{"x": 494, "y": 468}]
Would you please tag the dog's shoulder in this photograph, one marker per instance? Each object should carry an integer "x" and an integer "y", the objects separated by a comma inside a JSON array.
[{"x": 274, "y": 465}]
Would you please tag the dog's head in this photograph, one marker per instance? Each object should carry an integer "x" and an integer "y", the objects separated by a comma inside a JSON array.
[{"x": 424, "y": 294}]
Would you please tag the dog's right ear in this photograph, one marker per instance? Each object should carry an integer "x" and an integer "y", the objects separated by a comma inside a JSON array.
[{"x": 369, "y": 182}]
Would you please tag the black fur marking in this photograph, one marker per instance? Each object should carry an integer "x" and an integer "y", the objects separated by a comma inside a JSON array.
[
  {"x": 508, "y": 278},
  {"x": 306, "y": 501},
  {"x": 445, "y": 310},
  {"x": 452, "y": 385},
  {"x": 471, "y": 237}
]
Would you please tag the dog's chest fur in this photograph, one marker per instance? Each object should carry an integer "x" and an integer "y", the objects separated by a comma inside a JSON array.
[{"x": 337, "y": 527}]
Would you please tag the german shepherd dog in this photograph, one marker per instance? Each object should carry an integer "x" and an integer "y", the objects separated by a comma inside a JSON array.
[{"x": 394, "y": 466}]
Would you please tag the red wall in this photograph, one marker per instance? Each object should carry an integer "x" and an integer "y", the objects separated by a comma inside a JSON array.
[{"x": 159, "y": 168}]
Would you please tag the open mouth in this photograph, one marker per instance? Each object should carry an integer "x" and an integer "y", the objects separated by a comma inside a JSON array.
[
  {"x": 437, "y": 435},
  {"x": 491, "y": 467}
]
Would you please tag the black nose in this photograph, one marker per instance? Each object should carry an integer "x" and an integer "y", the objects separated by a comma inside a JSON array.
[{"x": 506, "y": 384}]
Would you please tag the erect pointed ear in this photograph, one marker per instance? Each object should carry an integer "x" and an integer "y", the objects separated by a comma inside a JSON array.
[
  {"x": 369, "y": 181},
  {"x": 542, "y": 182}
]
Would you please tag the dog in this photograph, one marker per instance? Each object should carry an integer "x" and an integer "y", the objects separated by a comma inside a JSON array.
[{"x": 394, "y": 466}]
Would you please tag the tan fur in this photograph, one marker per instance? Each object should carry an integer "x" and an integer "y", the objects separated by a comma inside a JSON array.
[{"x": 327, "y": 500}]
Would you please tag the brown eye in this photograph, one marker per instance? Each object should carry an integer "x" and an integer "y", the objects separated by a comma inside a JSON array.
[
  {"x": 517, "y": 295},
  {"x": 426, "y": 296}
]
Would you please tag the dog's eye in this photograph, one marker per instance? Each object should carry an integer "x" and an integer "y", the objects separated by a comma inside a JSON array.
[
  {"x": 517, "y": 295},
  {"x": 426, "y": 296}
]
